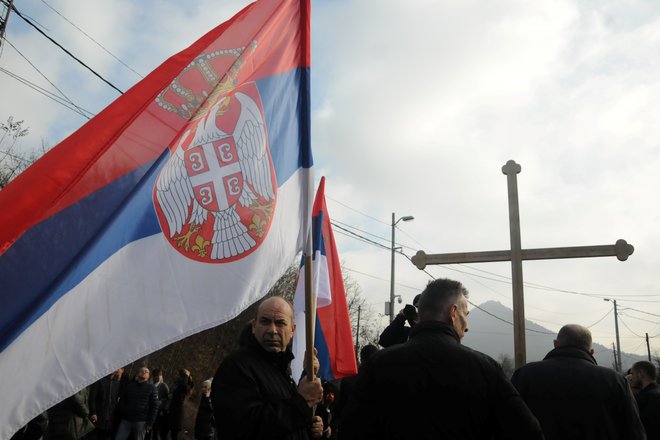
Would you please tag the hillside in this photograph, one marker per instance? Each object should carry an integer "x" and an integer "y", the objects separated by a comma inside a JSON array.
[{"x": 495, "y": 337}]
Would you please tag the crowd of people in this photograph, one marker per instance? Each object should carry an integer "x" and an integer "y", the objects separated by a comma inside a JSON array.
[{"x": 424, "y": 385}]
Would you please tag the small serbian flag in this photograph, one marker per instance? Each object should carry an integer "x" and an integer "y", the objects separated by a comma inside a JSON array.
[
  {"x": 333, "y": 338},
  {"x": 168, "y": 213}
]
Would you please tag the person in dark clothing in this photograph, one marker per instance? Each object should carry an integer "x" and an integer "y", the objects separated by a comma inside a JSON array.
[
  {"x": 181, "y": 389},
  {"x": 68, "y": 420},
  {"x": 103, "y": 399},
  {"x": 397, "y": 332},
  {"x": 160, "y": 428},
  {"x": 253, "y": 394},
  {"x": 347, "y": 384},
  {"x": 433, "y": 387},
  {"x": 204, "y": 422},
  {"x": 644, "y": 376},
  {"x": 138, "y": 406},
  {"x": 34, "y": 430},
  {"x": 573, "y": 397}
]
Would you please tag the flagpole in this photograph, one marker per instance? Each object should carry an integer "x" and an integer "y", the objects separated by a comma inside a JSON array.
[
  {"x": 310, "y": 318},
  {"x": 310, "y": 303}
]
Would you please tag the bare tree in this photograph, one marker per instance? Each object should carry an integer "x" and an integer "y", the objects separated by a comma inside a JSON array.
[{"x": 11, "y": 162}]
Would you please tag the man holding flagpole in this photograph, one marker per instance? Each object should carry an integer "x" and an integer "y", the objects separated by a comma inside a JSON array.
[{"x": 253, "y": 393}]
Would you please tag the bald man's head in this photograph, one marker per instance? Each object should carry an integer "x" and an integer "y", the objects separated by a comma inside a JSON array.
[
  {"x": 574, "y": 335},
  {"x": 274, "y": 325}
]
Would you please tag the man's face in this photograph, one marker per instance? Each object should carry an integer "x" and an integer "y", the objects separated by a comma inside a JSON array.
[
  {"x": 143, "y": 374},
  {"x": 459, "y": 313},
  {"x": 635, "y": 379},
  {"x": 273, "y": 328}
]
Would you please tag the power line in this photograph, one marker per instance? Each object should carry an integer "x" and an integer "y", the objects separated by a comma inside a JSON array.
[
  {"x": 47, "y": 93},
  {"x": 66, "y": 98},
  {"x": 88, "y": 36},
  {"x": 604, "y": 316},
  {"x": 64, "y": 49}
]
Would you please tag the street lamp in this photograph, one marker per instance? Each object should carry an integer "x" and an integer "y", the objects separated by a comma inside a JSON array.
[
  {"x": 406, "y": 218},
  {"x": 618, "y": 343}
]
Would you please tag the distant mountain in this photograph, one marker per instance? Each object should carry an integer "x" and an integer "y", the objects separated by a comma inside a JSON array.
[{"x": 493, "y": 336}]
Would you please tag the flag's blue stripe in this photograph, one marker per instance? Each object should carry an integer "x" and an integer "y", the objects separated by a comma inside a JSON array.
[
  {"x": 323, "y": 354},
  {"x": 317, "y": 233},
  {"x": 55, "y": 255}
]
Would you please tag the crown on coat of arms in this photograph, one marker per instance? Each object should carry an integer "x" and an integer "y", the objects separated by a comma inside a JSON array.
[{"x": 200, "y": 82}]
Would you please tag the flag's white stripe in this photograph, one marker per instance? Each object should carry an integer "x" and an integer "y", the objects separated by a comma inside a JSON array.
[
  {"x": 123, "y": 311},
  {"x": 321, "y": 288}
]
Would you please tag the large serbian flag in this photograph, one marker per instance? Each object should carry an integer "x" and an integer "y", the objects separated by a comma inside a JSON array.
[
  {"x": 170, "y": 212},
  {"x": 332, "y": 338}
]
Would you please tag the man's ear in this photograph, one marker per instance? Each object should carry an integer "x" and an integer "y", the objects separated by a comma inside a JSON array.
[
  {"x": 453, "y": 310},
  {"x": 293, "y": 327},
  {"x": 555, "y": 343},
  {"x": 253, "y": 322}
]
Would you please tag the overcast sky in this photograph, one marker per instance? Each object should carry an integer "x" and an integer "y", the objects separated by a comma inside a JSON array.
[{"x": 417, "y": 105}]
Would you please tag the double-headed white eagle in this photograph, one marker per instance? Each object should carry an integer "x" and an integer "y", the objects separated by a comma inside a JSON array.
[{"x": 174, "y": 188}]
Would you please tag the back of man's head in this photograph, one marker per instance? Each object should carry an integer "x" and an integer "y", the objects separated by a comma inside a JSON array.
[
  {"x": 574, "y": 335},
  {"x": 647, "y": 369},
  {"x": 437, "y": 299},
  {"x": 366, "y": 352}
]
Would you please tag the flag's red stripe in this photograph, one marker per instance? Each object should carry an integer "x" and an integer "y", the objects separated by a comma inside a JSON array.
[
  {"x": 334, "y": 318},
  {"x": 133, "y": 130}
]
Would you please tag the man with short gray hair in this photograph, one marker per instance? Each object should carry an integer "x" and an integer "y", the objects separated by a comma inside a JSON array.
[
  {"x": 573, "y": 397},
  {"x": 431, "y": 386}
]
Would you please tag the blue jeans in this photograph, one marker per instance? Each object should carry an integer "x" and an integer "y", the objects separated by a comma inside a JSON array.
[{"x": 128, "y": 430}]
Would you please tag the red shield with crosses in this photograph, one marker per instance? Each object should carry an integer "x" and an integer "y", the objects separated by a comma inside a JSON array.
[{"x": 215, "y": 174}]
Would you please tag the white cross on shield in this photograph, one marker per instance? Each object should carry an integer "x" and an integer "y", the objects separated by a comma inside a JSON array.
[{"x": 215, "y": 174}]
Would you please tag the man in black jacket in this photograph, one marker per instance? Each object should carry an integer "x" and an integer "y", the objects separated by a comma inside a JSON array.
[
  {"x": 253, "y": 394},
  {"x": 433, "y": 387},
  {"x": 138, "y": 406},
  {"x": 573, "y": 397},
  {"x": 644, "y": 376},
  {"x": 103, "y": 398}
]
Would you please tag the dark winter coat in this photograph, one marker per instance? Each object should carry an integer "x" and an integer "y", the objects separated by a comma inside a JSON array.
[
  {"x": 395, "y": 333},
  {"x": 649, "y": 410},
  {"x": 103, "y": 399},
  {"x": 178, "y": 394},
  {"x": 255, "y": 398},
  {"x": 138, "y": 402},
  {"x": 432, "y": 387},
  {"x": 68, "y": 419},
  {"x": 204, "y": 423},
  {"x": 574, "y": 398}
]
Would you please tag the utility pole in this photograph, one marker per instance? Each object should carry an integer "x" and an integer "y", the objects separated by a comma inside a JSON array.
[
  {"x": 3, "y": 23},
  {"x": 618, "y": 341},
  {"x": 616, "y": 363},
  {"x": 648, "y": 347}
]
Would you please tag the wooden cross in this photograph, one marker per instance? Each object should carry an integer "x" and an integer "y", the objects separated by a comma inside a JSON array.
[{"x": 621, "y": 249}]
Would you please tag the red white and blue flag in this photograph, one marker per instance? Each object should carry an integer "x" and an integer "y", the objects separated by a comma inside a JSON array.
[
  {"x": 170, "y": 212},
  {"x": 332, "y": 337}
]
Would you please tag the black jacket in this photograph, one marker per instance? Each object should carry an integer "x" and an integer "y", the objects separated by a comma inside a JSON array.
[
  {"x": 432, "y": 387},
  {"x": 204, "y": 421},
  {"x": 103, "y": 398},
  {"x": 138, "y": 402},
  {"x": 254, "y": 397},
  {"x": 574, "y": 398},
  {"x": 649, "y": 410},
  {"x": 395, "y": 333}
]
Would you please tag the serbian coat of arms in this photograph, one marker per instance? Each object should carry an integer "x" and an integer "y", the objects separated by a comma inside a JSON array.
[{"x": 215, "y": 196}]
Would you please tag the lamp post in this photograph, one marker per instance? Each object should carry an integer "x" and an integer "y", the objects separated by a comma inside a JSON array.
[
  {"x": 394, "y": 222},
  {"x": 616, "y": 329}
]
